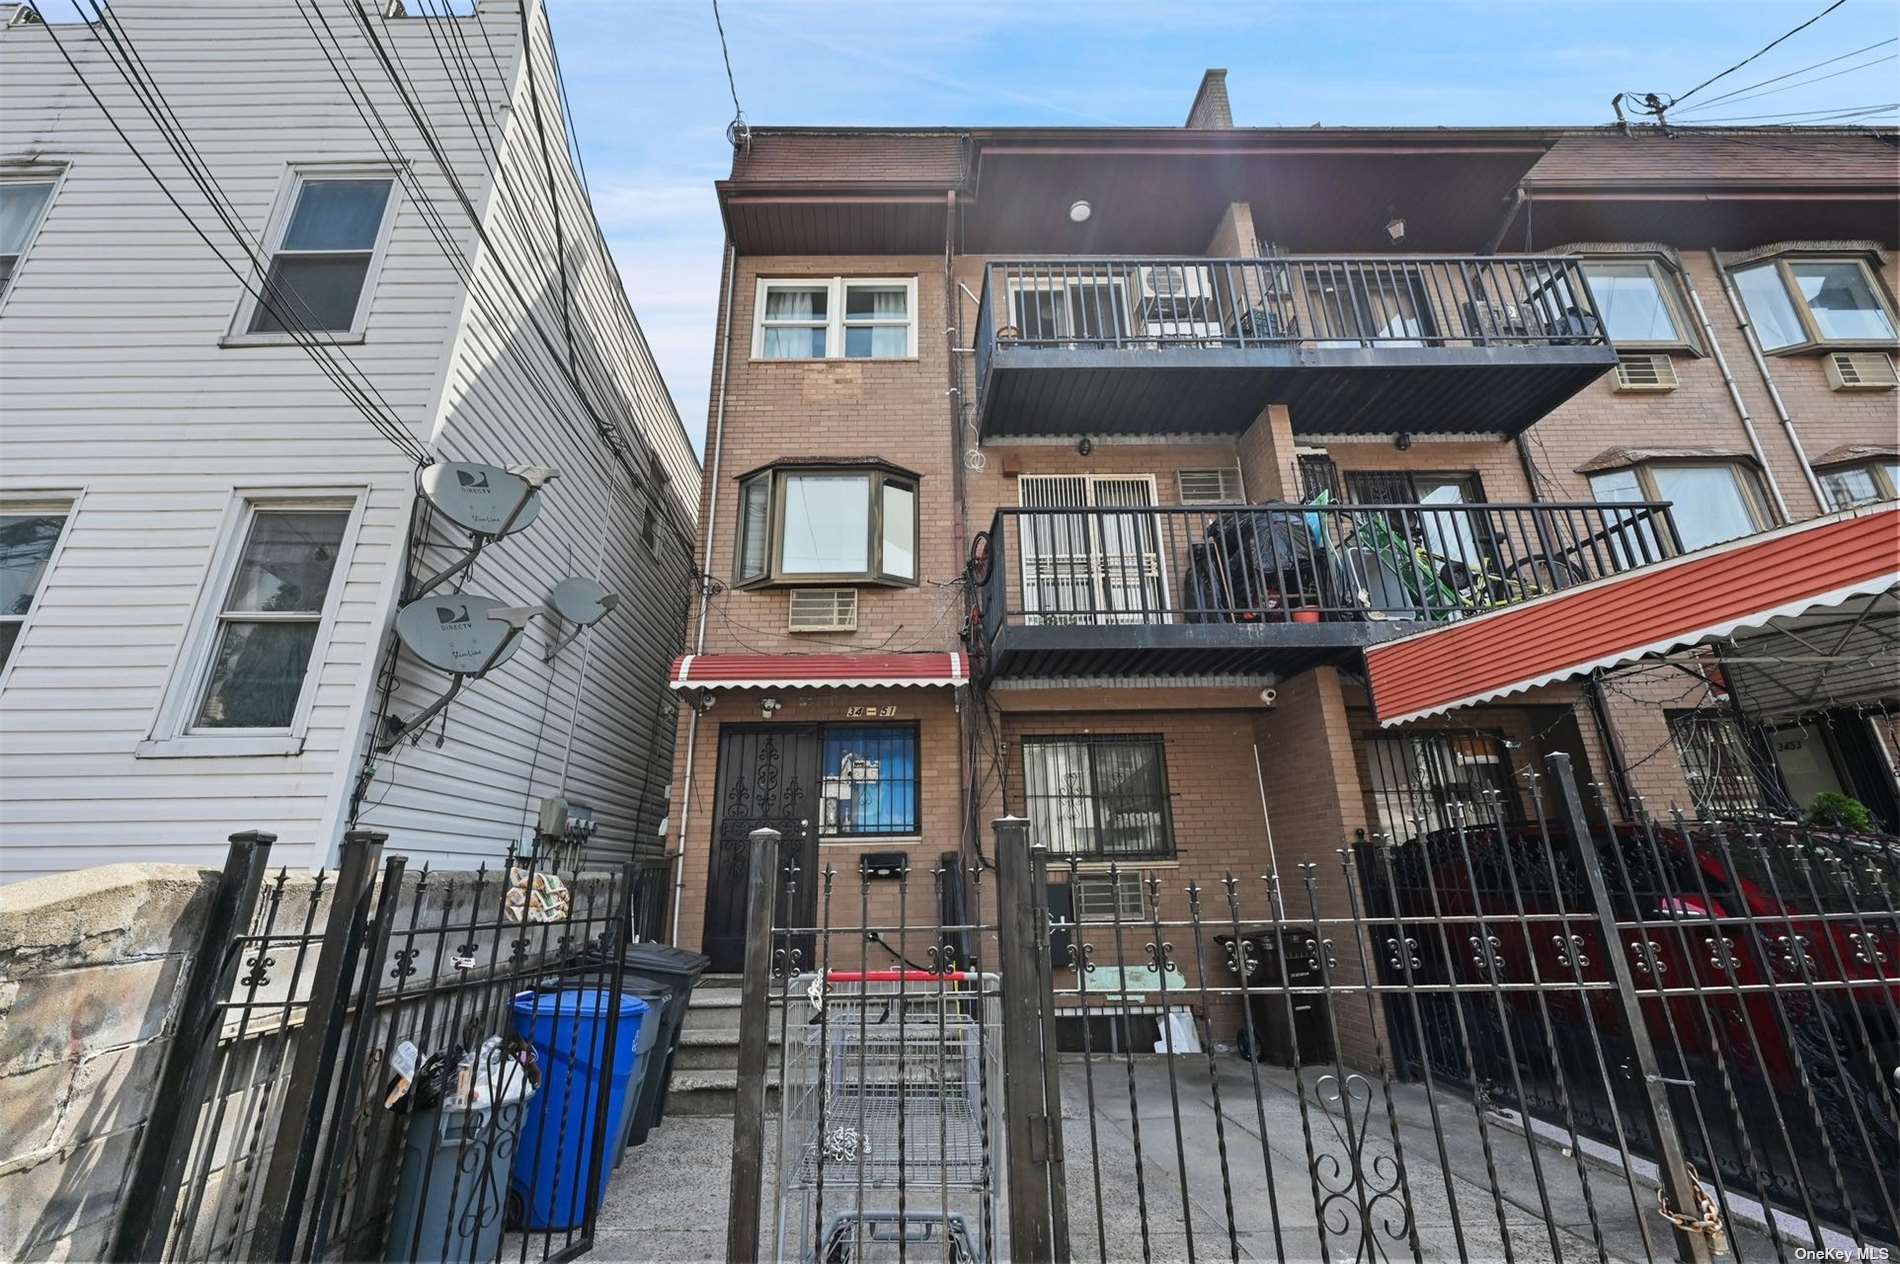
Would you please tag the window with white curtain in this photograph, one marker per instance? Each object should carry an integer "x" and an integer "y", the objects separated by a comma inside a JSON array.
[{"x": 848, "y": 318}]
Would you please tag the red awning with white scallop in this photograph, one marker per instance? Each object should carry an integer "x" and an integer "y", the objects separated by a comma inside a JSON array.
[{"x": 818, "y": 671}]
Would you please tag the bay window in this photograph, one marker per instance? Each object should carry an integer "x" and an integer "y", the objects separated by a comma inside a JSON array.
[
  {"x": 1864, "y": 484},
  {"x": 827, "y": 522},
  {"x": 1803, "y": 301},
  {"x": 1710, "y": 501},
  {"x": 848, "y": 318},
  {"x": 1636, "y": 302}
]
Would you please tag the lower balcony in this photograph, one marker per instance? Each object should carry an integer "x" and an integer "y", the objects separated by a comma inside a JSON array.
[{"x": 1246, "y": 590}]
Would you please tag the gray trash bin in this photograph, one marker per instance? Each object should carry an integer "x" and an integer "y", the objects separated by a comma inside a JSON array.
[
  {"x": 646, "y": 1059},
  {"x": 453, "y": 1184}
]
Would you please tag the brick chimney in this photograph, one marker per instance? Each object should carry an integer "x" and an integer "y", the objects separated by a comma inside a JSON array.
[{"x": 1210, "y": 103}]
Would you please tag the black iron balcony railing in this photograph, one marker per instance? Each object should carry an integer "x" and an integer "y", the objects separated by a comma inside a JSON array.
[
  {"x": 1347, "y": 302},
  {"x": 1293, "y": 564}
]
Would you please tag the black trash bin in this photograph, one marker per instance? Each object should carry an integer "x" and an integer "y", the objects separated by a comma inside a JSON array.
[
  {"x": 1284, "y": 1021},
  {"x": 678, "y": 970}
]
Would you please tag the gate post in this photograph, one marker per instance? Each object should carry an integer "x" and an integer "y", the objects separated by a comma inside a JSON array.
[
  {"x": 1037, "y": 1224},
  {"x": 313, "y": 1066},
  {"x": 1672, "y": 1164},
  {"x": 755, "y": 1032},
  {"x": 165, "y": 1142}
]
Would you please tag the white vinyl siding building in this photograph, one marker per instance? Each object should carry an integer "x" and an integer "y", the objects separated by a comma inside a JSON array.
[{"x": 144, "y": 397}]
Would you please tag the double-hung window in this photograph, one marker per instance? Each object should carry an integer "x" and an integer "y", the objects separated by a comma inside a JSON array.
[
  {"x": 323, "y": 256},
  {"x": 22, "y": 206},
  {"x": 836, "y": 318},
  {"x": 1803, "y": 301},
  {"x": 28, "y": 536},
  {"x": 1864, "y": 484},
  {"x": 1710, "y": 501},
  {"x": 841, "y": 522},
  {"x": 1103, "y": 796},
  {"x": 248, "y": 674},
  {"x": 1637, "y": 302}
]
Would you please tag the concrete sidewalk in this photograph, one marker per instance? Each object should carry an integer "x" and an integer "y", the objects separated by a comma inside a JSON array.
[{"x": 668, "y": 1201}]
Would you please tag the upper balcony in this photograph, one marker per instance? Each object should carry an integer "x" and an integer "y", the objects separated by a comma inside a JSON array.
[
  {"x": 1273, "y": 588},
  {"x": 1360, "y": 345}
]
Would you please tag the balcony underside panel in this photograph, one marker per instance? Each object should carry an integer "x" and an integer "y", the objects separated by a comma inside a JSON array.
[
  {"x": 1183, "y": 649},
  {"x": 1422, "y": 391}
]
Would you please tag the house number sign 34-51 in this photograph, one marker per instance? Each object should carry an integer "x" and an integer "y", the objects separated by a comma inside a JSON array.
[{"x": 870, "y": 713}]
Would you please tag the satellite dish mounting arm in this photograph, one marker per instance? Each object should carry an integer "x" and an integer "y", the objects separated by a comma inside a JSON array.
[
  {"x": 481, "y": 542},
  {"x": 517, "y": 618}
]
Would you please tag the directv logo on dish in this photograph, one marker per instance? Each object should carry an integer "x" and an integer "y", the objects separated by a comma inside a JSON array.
[
  {"x": 452, "y": 617},
  {"x": 473, "y": 481}
]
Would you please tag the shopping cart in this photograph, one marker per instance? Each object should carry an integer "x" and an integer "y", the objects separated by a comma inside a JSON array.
[{"x": 891, "y": 1141}]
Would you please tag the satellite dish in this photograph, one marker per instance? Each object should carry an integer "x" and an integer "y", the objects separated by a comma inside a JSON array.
[
  {"x": 462, "y": 633},
  {"x": 484, "y": 499},
  {"x": 581, "y": 601}
]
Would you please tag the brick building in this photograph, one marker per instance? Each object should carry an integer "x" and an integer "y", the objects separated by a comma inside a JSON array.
[{"x": 1069, "y": 473}]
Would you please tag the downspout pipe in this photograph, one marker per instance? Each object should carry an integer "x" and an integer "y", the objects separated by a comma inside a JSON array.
[
  {"x": 1735, "y": 391},
  {"x": 1768, "y": 379},
  {"x": 705, "y": 587}
]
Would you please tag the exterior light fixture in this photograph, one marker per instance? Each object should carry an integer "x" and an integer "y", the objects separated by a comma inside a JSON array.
[
  {"x": 1079, "y": 211},
  {"x": 1084, "y": 447},
  {"x": 1402, "y": 442},
  {"x": 1395, "y": 228}
]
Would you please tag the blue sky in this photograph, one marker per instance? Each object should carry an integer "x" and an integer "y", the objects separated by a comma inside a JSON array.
[{"x": 651, "y": 105}]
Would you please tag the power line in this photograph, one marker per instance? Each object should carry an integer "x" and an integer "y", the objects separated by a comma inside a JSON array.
[
  {"x": 738, "y": 127},
  {"x": 1762, "y": 83},
  {"x": 1678, "y": 100},
  {"x": 1813, "y": 116},
  {"x": 1719, "y": 102}
]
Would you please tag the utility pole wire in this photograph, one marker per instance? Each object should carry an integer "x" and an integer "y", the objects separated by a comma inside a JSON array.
[
  {"x": 738, "y": 127},
  {"x": 1762, "y": 83},
  {"x": 1675, "y": 101}
]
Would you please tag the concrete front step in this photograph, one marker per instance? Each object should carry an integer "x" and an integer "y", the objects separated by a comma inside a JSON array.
[{"x": 712, "y": 1092}]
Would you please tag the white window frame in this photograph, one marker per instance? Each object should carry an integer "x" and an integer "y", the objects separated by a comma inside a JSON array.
[
  {"x": 64, "y": 502},
  {"x": 834, "y": 323},
  {"x": 283, "y": 207},
  {"x": 175, "y": 733},
  {"x": 54, "y": 176}
]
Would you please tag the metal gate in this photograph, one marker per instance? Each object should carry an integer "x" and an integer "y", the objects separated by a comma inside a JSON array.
[
  {"x": 1545, "y": 1039},
  {"x": 293, "y": 1116}
]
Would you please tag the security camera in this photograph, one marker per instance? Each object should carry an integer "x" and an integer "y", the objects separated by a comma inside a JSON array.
[{"x": 1269, "y": 696}]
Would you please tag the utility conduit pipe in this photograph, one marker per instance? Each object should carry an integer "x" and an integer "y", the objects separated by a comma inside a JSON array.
[
  {"x": 1735, "y": 397},
  {"x": 1768, "y": 379},
  {"x": 705, "y": 589}
]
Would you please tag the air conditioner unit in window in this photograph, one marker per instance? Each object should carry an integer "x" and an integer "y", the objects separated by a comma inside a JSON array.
[
  {"x": 823, "y": 610},
  {"x": 1861, "y": 371},
  {"x": 1636, "y": 372},
  {"x": 1209, "y": 487}
]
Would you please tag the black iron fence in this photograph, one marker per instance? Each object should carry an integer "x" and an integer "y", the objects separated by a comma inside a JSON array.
[
  {"x": 376, "y": 1063},
  {"x": 1494, "y": 1041},
  {"x": 1297, "y": 300},
  {"x": 1303, "y": 563}
]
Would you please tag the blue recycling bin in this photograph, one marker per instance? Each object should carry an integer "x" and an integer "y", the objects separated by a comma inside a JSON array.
[{"x": 568, "y": 1030}]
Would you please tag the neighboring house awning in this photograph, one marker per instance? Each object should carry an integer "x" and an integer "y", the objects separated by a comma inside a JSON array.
[
  {"x": 817, "y": 671},
  {"x": 1752, "y": 582}
]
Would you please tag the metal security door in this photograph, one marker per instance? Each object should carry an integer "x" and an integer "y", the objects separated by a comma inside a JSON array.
[{"x": 767, "y": 778}]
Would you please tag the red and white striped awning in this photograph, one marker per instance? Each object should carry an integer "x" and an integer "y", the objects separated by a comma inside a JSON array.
[
  {"x": 818, "y": 671},
  {"x": 1707, "y": 595}
]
